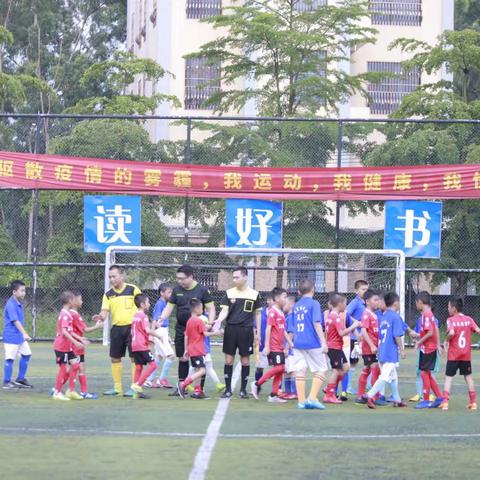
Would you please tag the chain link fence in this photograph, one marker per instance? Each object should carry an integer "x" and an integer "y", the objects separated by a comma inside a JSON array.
[{"x": 41, "y": 232}]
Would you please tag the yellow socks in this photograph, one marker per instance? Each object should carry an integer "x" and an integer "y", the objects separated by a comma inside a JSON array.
[
  {"x": 300, "y": 384},
  {"x": 117, "y": 371},
  {"x": 318, "y": 379}
]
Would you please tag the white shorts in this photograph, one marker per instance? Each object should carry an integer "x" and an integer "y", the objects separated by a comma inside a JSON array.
[
  {"x": 12, "y": 350},
  {"x": 314, "y": 359},
  {"x": 162, "y": 347},
  {"x": 207, "y": 358},
  {"x": 262, "y": 361},
  {"x": 388, "y": 372},
  {"x": 290, "y": 363}
]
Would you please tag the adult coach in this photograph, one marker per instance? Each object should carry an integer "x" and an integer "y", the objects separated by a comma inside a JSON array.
[
  {"x": 241, "y": 311},
  {"x": 120, "y": 304},
  {"x": 185, "y": 290}
]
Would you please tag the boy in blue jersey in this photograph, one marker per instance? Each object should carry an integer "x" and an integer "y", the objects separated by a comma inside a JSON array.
[
  {"x": 290, "y": 392},
  {"x": 262, "y": 360},
  {"x": 310, "y": 347},
  {"x": 390, "y": 344},
  {"x": 163, "y": 349},
  {"x": 354, "y": 312},
  {"x": 15, "y": 338}
]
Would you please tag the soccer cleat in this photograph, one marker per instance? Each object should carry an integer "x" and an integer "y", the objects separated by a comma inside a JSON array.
[
  {"x": 436, "y": 403},
  {"x": 415, "y": 398},
  {"x": 9, "y": 386},
  {"x": 136, "y": 388},
  {"x": 129, "y": 393},
  {"x": 52, "y": 391},
  {"x": 343, "y": 397},
  {"x": 444, "y": 405},
  {"x": 301, "y": 406},
  {"x": 400, "y": 404},
  {"x": 472, "y": 406},
  {"x": 423, "y": 404},
  {"x": 60, "y": 396},
  {"x": 190, "y": 388},
  {"x": 291, "y": 396},
  {"x": 113, "y": 393},
  {"x": 73, "y": 395},
  {"x": 381, "y": 403},
  {"x": 275, "y": 399},
  {"x": 181, "y": 390},
  {"x": 254, "y": 391},
  {"x": 371, "y": 403},
  {"x": 148, "y": 384},
  {"x": 332, "y": 399},
  {"x": 23, "y": 383},
  {"x": 244, "y": 395},
  {"x": 361, "y": 401},
  {"x": 164, "y": 383},
  {"x": 390, "y": 399},
  {"x": 199, "y": 395},
  {"x": 315, "y": 405},
  {"x": 220, "y": 387},
  {"x": 226, "y": 394},
  {"x": 174, "y": 393},
  {"x": 432, "y": 397},
  {"x": 89, "y": 396}
]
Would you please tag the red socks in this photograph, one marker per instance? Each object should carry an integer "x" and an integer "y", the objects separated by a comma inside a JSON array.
[
  {"x": 277, "y": 380},
  {"x": 426, "y": 385},
  {"x": 279, "y": 369},
  {"x": 74, "y": 368},
  {"x": 446, "y": 395},
  {"x": 473, "y": 396},
  {"x": 362, "y": 381},
  {"x": 62, "y": 372},
  {"x": 434, "y": 386},
  {"x": 82, "y": 379}
]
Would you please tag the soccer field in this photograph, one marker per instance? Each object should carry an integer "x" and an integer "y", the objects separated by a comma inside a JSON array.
[{"x": 160, "y": 437}]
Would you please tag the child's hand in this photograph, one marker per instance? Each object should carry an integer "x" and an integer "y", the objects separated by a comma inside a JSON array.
[
  {"x": 85, "y": 341},
  {"x": 266, "y": 351},
  {"x": 99, "y": 324},
  {"x": 403, "y": 355},
  {"x": 324, "y": 349},
  {"x": 374, "y": 350},
  {"x": 78, "y": 344},
  {"x": 27, "y": 337},
  {"x": 184, "y": 358},
  {"x": 97, "y": 318},
  {"x": 413, "y": 334}
]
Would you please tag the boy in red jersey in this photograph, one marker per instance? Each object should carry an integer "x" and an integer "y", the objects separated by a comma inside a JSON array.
[
  {"x": 458, "y": 344},
  {"x": 275, "y": 338},
  {"x": 63, "y": 346},
  {"x": 369, "y": 345},
  {"x": 429, "y": 346},
  {"x": 335, "y": 330},
  {"x": 79, "y": 330},
  {"x": 195, "y": 333},
  {"x": 140, "y": 345}
]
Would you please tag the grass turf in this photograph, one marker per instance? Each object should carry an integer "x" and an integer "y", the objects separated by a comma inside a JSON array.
[{"x": 123, "y": 438}]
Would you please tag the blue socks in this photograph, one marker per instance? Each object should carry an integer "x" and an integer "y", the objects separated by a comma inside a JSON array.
[
  {"x": 288, "y": 385},
  {"x": 7, "y": 371},
  {"x": 165, "y": 369},
  {"x": 345, "y": 382},
  {"x": 22, "y": 369}
]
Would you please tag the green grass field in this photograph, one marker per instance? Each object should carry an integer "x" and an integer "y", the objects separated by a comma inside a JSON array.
[{"x": 114, "y": 438}]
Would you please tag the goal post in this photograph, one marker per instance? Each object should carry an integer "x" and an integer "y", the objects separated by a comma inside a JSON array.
[{"x": 329, "y": 269}]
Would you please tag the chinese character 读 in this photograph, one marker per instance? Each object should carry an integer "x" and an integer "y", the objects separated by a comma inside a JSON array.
[{"x": 111, "y": 223}]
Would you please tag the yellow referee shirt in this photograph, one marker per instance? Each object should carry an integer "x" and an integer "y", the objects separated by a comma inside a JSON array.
[{"x": 121, "y": 304}]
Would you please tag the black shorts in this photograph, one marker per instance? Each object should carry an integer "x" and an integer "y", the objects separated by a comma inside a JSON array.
[
  {"x": 197, "y": 362},
  {"x": 82, "y": 358},
  {"x": 276, "y": 358},
  {"x": 120, "y": 340},
  {"x": 427, "y": 361},
  {"x": 463, "y": 366},
  {"x": 237, "y": 337},
  {"x": 143, "y": 358},
  {"x": 179, "y": 343},
  {"x": 64, "y": 357},
  {"x": 353, "y": 361},
  {"x": 369, "y": 360},
  {"x": 337, "y": 359}
]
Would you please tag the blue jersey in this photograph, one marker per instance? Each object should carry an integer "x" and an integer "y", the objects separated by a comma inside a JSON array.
[
  {"x": 290, "y": 327},
  {"x": 207, "y": 344},
  {"x": 13, "y": 312},
  {"x": 306, "y": 313},
  {"x": 263, "y": 327},
  {"x": 355, "y": 311},
  {"x": 157, "y": 311},
  {"x": 390, "y": 326}
]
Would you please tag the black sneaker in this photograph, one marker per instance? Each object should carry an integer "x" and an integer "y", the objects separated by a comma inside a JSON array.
[
  {"x": 361, "y": 401},
  {"x": 199, "y": 395},
  {"x": 244, "y": 395},
  {"x": 226, "y": 394},
  {"x": 23, "y": 383},
  {"x": 9, "y": 386},
  {"x": 181, "y": 392},
  {"x": 174, "y": 393}
]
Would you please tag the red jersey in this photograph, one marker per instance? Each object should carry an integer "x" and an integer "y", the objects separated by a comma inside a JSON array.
[
  {"x": 459, "y": 348},
  {"x": 140, "y": 327},
  {"x": 370, "y": 323},
  {"x": 79, "y": 327},
  {"x": 195, "y": 332},
  {"x": 333, "y": 325},
  {"x": 65, "y": 320},
  {"x": 428, "y": 325},
  {"x": 276, "y": 320}
]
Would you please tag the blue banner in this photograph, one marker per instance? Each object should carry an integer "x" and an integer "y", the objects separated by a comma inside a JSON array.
[
  {"x": 111, "y": 220},
  {"x": 414, "y": 227}
]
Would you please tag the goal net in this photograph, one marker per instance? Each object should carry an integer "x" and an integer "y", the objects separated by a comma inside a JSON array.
[{"x": 330, "y": 270}]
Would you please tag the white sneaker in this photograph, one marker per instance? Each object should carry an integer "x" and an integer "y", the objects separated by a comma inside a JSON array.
[
  {"x": 276, "y": 399},
  {"x": 60, "y": 396},
  {"x": 148, "y": 384},
  {"x": 254, "y": 391}
]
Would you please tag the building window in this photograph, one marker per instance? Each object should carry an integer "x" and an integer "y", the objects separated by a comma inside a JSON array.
[
  {"x": 396, "y": 12},
  {"x": 386, "y": 95},
  {"x": 309, "y": 5},
  {"x": 302, "y": 267},
  {"x": 201, "y": 82},
  {"x": 203, "y": 8}
]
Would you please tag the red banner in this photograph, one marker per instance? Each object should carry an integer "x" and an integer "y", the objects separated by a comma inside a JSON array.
[{"x": 56, "y": 172}]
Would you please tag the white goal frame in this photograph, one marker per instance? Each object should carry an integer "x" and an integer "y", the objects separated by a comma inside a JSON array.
[{"x": 398, "y": 254}]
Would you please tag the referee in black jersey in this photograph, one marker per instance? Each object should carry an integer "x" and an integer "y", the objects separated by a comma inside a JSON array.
[{"x": 241, "y": 309}]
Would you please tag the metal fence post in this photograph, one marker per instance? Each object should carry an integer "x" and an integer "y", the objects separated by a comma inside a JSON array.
[
  {"x": 35, "y": 237},
  {"x": 338, "y": 203},
  {"x": 187, "y": 160}
]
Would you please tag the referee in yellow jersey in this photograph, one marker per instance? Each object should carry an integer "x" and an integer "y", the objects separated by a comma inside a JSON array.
[{"x": 119, "y": 303}]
